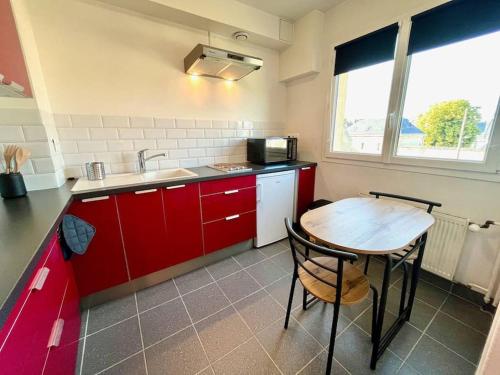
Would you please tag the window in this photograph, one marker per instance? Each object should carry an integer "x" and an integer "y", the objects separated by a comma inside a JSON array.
[{"x": 436, "y": 104}]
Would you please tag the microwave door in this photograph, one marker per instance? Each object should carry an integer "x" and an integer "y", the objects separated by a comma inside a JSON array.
[{"x": 276, "y": 150}]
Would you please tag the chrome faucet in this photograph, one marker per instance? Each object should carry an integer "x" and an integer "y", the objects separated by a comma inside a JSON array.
[{"x": 141, "y": 156}]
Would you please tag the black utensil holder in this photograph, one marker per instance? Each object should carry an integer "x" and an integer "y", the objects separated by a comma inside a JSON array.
[{"x": 12, "y": 185}]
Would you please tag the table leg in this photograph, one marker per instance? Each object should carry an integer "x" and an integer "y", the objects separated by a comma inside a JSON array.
[
  {"x": 415, "y": 276},
  {"x": 381, "y": 311}
]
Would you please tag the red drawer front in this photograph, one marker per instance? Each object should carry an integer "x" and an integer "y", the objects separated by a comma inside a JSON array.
[
  {"x": 103, "y": 265},
  {"x": 183, "y": 219},
  {"x": 225, "y": 184},
  {"x": 62, "y": 357},
  {"x": 305, "y": 194},
  {"x": 221, "y": 205},
  {"x": 223, "y": 233},
  {"x": 25, "y": 349}
]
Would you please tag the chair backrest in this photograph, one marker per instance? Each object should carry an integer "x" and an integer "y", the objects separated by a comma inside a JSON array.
[
  {"x": 430, "y": 204},
  {"x": 300, "y": 256}
]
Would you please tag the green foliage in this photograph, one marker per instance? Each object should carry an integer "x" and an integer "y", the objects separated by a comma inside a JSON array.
[{"x": 443, "y": 121}]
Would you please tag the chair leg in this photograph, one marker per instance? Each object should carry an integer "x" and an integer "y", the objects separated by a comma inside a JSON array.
[
  {"x": 367, "y": 263},
  {"x": 375, "y": 309},
  {"x": 333, "y": 333},
  {"x": 290, "y": 300}
]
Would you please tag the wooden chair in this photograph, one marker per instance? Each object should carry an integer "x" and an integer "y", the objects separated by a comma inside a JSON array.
[{"x": 328, "y": 279}]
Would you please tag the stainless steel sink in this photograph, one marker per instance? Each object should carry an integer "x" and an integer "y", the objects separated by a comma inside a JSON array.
[{"x": 113, "y": 180}]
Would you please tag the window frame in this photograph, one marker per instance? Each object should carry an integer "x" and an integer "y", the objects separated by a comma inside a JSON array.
[{"x": 389, "y": 158}]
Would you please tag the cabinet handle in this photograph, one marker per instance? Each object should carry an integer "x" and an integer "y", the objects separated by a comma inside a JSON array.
[
  {"x": 175, "y": 187},
  {"x": 103, "y": 198},
  {"x": 232, "y": 217},
  {"x": 40, "y": 278},
  {"x": 145, "y": 191},
  {"x": 231, "y": 192},
  {"x": 305, "y": 168},
  {"x": 259, "y": 192},
  {"x": 56, "y": 333}
]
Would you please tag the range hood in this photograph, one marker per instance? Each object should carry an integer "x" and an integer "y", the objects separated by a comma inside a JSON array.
[{"x": 219, "y": 63}]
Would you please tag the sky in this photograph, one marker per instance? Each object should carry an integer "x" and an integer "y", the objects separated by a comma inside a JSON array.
[{"x": 466, "y": 70}]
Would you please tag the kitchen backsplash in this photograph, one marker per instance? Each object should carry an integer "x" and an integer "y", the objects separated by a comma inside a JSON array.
[{"x": 115, "y": 141}]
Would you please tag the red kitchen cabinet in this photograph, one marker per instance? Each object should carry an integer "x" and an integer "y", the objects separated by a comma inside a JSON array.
[
  {"x": 144, "y": 234},
  {"x": 183, "y": 222},
  {"x": 227, "y": 203},
  {"x": 225, "y": 184},
  {"x": 229, "y": 231},
  {"x": 26, "y": 346},
  {"x": 65, "y": 334},
  {"x": 104, "y": 264},
  {"x": 305, "y": 193}
]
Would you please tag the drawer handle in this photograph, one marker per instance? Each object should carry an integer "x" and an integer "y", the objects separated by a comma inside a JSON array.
[
  {"x": 305, "y": 168},
  {"x": 145, "y": 191},
  {"x": 231, "y": 192},
  {"x": 175, "y": 187},
  {"x": 56, "y": 333},
  {"x": 40, "y": 278},
  {"x": 103, "y": 198},
  {"x": 232, "y": 217}
]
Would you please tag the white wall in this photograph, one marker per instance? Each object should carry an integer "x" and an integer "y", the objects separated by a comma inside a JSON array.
[
  {"x": 98, "y": 60},
  {"x": 307, "y": 106}
]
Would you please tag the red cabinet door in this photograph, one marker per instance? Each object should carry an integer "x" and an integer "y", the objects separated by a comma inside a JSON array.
[
  {"x": 104, "y": 264},
  {"x": 65, "y": 334},
  {"x": 305, "y": 193},
  {"x": 229, "y": 231},
  {"x": 26, "y": 346},
  {"x": 183, "y": 222},
  {"x": 143, "y": 227},
  {"x": 220, "y": 205}
]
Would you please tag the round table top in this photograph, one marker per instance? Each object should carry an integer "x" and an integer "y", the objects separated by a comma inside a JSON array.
[{"x": 367, "y": 225}]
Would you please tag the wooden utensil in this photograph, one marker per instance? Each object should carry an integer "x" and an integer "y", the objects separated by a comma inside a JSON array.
[
  {"x": 22, "y": 155},
  {"x": 8, "y": 154}
]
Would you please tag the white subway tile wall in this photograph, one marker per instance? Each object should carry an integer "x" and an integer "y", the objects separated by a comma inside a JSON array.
[{"x": 115, "y": 141}]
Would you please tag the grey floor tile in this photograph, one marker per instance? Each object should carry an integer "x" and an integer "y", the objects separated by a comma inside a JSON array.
[
  {"x": 353, "y": 311},
  {"x": 266, "y": 272},
  {"x": 280, "y": 290},
  {"x": 179, "y": 354},
  {"x": 468, "y": 313},
  {"x": 205, "y": 301},
  {"x": 223, "y": 268},
  {"x": 405, "y": 338},
  {"x": 467, "y": 293},
  {"x": 83, "y": 322},
  {"x": 284, "y": 260},
  {"x": 353, "y": 350},
  {"x": 156, "y": 295},
  {"x": 109, "y": 313},
  {"x": 436, "y": 280},
  {"x": 376, "y": 270},
  {"x": 163, "y": 321},
  {"x": 259, "y": 310},
  {"x": 421, "y": 314},
  {"x": 111, "y": 345},
  {"x": 249, "y": 358},
  {"x": 274, "y": 249},
  {"x": 249, "y": 257},
  {"x": 431, "y": 357},
  {"x": 317, "y": 320},
  {"x": 207, "y": 371},
  {"x": 407, "y": 370},
  {"x": 193, "y": 280},
  {"x": 238, "y": 285},
  {"x": 318, "y": 366},
  {"x": 131, "y": 366},
  {"x": 79, "y": 357},
  {"x": 428, "y": 293},
  {"x": 457, "y": 336},
  {"x": 222, "y": 332},
  {"x": 290, "y": 349}
]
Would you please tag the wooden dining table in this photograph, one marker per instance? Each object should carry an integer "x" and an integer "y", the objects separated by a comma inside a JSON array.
[{"x": 388, "y": 228}]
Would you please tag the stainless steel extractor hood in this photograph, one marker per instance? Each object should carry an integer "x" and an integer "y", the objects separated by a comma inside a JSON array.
[{"x": 219, "y": 63}]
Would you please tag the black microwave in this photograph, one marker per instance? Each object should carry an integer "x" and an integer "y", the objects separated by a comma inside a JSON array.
[{"x": 271, "y": 150}]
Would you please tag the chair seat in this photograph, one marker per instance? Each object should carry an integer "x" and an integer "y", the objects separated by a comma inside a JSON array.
[{"x": 355, "y": 285}]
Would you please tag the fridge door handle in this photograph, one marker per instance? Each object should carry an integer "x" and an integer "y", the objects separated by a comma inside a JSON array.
[{"x": 259, "y": 192}]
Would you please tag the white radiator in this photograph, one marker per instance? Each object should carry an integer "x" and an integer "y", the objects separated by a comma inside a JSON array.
[{"x": 444, "y": 243}]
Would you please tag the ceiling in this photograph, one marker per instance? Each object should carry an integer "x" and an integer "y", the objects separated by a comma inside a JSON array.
[{"x": 291, "y": 9}]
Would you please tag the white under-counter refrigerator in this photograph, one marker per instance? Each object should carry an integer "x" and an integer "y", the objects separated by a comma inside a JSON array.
[{"x": 275, "y": 201}]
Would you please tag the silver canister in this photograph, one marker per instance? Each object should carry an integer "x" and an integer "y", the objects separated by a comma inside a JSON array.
[{"x": 95, "y": 170}]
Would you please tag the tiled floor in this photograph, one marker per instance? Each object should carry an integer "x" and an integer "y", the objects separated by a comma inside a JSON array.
[{"x": 227, "y": 318}]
